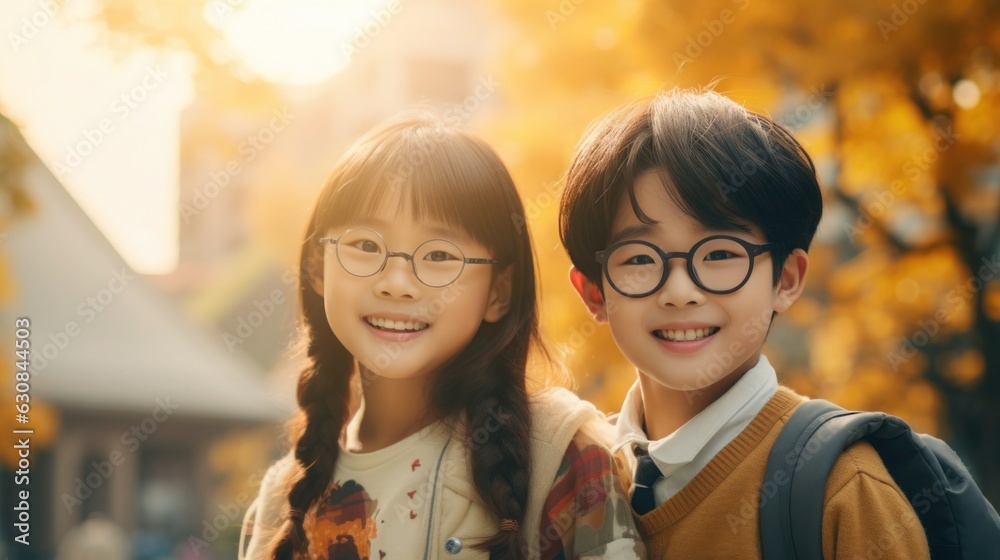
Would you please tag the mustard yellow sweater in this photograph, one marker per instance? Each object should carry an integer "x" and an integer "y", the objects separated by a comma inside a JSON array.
[{"x": 865, "y": 514}]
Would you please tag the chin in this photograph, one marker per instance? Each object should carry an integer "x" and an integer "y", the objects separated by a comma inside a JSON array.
[
  {"x": 398, "y": 373},
  {"x": 680, "y": 385}
]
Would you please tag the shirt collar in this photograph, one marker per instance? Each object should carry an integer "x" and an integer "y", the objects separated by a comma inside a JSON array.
[{"x": 735, "y": 408}]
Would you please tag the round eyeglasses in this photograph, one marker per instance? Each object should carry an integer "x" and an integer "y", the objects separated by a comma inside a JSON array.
[
  {"x": 720, "y": 264},
  {"x": 436, "y": 262}
]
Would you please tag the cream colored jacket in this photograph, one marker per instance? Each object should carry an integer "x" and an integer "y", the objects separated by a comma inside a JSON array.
[{"x": 456, "y": 509}]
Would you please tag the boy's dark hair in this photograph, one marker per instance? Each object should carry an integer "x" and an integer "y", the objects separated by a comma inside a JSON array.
[{"x": 728, "y": 168}]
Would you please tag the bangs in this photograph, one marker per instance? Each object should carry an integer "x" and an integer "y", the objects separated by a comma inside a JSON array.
[
  {"x": 433, "y": 173},
  {"x": 728, "y": 168},
  {"x": 717, "y": 166}
]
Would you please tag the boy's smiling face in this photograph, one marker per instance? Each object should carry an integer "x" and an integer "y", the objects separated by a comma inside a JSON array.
[{"x": 733, "y": 326}]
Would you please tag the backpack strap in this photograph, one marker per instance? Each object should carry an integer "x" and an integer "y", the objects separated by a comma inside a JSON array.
[{"x": 794, "y": 485}]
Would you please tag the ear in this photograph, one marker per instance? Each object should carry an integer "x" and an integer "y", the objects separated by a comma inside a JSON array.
[
  {"x": 792, "y": 280},
  {"x": 314, "y": 275},
  {"x": 500, "y": 295},
  {"x": 590, "y": 293}
]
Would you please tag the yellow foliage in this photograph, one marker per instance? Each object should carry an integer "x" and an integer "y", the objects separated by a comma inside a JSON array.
[
  {"x": 43, "y": 420},
  {"x": 579, "y": 60}
]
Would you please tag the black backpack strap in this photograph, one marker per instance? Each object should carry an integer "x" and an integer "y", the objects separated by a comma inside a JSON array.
[
  {"x": 794, "y": 485},
  {"x": 776, "y": 535}
]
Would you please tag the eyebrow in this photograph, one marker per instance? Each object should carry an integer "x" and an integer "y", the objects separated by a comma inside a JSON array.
[{"x": 629, "y": 232}]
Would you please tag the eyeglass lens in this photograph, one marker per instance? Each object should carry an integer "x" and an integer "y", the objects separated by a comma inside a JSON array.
[
  {"x": 437, "y": 262},
  {"x": 719, "y": 265}
]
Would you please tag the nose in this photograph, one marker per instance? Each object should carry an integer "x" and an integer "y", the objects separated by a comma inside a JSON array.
[
  {"x": 679, "y": 289},
  {"x": 397, "y": 280}
]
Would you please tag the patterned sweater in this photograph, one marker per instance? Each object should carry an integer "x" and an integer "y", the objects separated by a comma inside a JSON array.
[{"x": 415, "y": 498}]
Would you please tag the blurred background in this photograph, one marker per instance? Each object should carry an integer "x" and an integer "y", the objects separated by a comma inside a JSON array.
[{"x": 158, "y": 160}]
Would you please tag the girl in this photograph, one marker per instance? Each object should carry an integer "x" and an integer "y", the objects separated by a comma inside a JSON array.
[{"x": 425, "y": 301}]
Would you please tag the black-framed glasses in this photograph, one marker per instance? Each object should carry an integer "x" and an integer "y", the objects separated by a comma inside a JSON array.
[
  {"x": 720, "y": 264},
  {"x": 436, "y": 262}
]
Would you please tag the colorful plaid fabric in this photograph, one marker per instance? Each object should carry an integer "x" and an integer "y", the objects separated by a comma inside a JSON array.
[{"x": 587, "y": 508}]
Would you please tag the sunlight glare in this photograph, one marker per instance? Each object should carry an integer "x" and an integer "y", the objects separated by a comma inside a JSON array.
[{"x": 292, "y": 41}]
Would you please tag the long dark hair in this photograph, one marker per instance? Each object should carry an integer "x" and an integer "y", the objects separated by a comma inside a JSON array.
[{"x": 452, "y": 177}]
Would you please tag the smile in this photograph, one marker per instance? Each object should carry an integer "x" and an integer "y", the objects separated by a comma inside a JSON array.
[
  {"x": 396, "y": 326},
  {"x": 685, "y": 335}
]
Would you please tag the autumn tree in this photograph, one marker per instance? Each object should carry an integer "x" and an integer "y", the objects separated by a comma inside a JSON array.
[{"x": 896, "y": 101}]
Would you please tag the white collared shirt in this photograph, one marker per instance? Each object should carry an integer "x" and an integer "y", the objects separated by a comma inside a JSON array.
[{"x": 681, "y": 455}]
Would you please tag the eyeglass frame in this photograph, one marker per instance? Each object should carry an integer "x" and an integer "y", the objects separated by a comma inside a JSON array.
[
  {"x": 407, "y": 256},
  {"x": 754, "y": 250}
]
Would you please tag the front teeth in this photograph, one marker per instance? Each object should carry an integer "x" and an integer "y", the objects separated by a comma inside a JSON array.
[
  {"x": 689, "y": 334},
  {"x": 390, "y": 325}
]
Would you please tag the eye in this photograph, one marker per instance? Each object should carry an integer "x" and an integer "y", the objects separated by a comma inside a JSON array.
[
  {"x": 719, "y": 255},
  {"x": 366, "y": 245},
  {"x": 641, "y": 259},
  {"x": 440, "y": 256}
]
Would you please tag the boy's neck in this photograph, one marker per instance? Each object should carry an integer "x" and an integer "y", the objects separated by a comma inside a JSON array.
[
  {"x": 391, "y": 410},
  {"x": 665, "y": 409}
]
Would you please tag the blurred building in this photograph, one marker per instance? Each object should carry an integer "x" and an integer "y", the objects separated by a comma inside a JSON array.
[
  {"x": 141, "y": 392},
  {"x": 159, "y": 367}
]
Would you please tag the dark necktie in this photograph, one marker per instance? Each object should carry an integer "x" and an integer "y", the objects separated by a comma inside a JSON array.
[{"x": 646, "y": 474}]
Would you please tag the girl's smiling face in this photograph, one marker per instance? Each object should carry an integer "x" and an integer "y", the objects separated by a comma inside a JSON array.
[
  {"x": 392, "y": 323},
  {"x": 682, "y": 337}
]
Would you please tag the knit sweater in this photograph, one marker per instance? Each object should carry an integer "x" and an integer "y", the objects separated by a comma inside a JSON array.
[{"x": 715, "y": 515}]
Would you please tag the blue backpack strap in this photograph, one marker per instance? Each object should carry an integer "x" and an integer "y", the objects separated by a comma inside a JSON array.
[
  {"x": 778, "y": 537},
  {"x": 791, "y": 522},
  {"x": 957, "y": 519}
]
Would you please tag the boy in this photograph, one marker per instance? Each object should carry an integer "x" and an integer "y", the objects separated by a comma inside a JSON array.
[{"x": 687, "y": 219}]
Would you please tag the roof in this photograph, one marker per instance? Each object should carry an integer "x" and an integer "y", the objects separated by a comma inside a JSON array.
[{"x": 103, "y": 338}]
